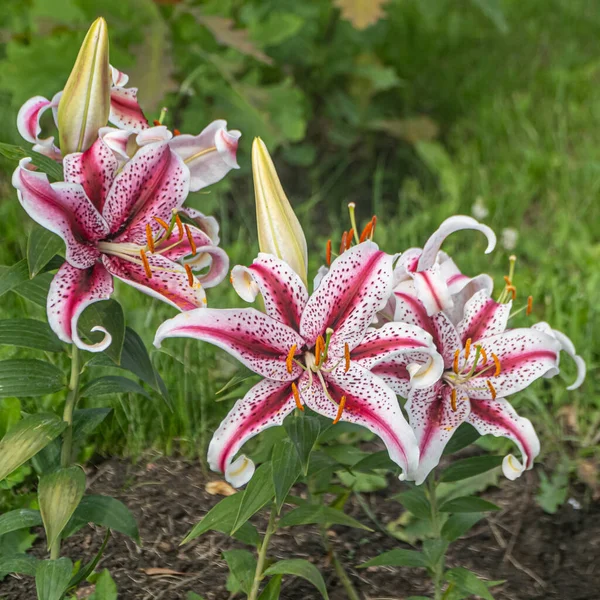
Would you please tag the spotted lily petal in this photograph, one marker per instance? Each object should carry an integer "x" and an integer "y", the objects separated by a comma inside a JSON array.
[
  {"x": 566, "y": 345},
  {"x": 355, "y": 288},
  {"x": 370, "y": 403},
  {"x": 483, "y": 317},
  {"x": 28, "y": 118},
  {"x": 283, "y": 291},
  {"x": 499, "y": 418},
  {"x": 169, "y": 281},
  {"x": 71, "y": 291},
  {"x": 151, "y": 135},
  {"x": 120, "y": 141},
  {"x": 425, "y": 371},
  {"x": 125, "y": 112},
  {"x": 450, "y": 225},
  {"x": 434, "y": 421},
  {"x": 255, "y": 339},
  {"x": 432, "y": 291},
  {"x": 210, "y": 155},
  {"x": 265, "y": 405},
  {"x": 64, "y": 209}
]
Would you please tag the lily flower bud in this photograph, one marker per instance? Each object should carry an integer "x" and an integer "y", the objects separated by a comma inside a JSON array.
[
  {"x": 279, "y": 231},
  {"x": 85, "y": 102}
]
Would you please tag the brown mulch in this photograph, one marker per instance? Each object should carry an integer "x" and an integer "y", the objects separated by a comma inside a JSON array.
[{"x": 540, "y": 556}]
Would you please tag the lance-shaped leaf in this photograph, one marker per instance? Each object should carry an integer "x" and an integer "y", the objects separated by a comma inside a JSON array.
[
  {"x": 59, "y": 494},
  {"x": 85, "y": 102},
  {"x": 279, "y": 231},
  {"x": 26, "y": 439},
  {"x": 52, "y": 578}
]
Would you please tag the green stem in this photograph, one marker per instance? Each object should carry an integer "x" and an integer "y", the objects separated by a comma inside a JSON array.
[
  {"x": 438, "y": 571},
  {"x": 351, "y": 593},
  {"x": 262, "y": 554}
]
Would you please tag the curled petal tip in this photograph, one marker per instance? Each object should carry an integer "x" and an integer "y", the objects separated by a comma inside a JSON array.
[
  {"x": 244, "y": 284},
  {"x": 240, "y": 471},
  {"x": 512, "y": 467}
]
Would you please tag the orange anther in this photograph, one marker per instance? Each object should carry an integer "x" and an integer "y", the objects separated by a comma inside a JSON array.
[
  {"x": 349, "y": 239},
  {"x": 453, "y": 399},
  {"x": 146, "y": 264},
  {"x": 529, "y": 305},
  {"x": 483, "y": 354},
  {"x": 328, "y": 253},
  {"x": 507, "y": 280},
  {"x": 498, "y": 365},
  {"x": 366, "y": 232},
  {"x": 190, "y": 275},
  {"x": 289, "y": 361},
  {"x": 347, "y": 357},
  {"x": 162, "y": 223},
  {"x": 319, "y": 347},
  {"x": 513, "y": 290},
  {"x": 492, "y": 389},
  {"x": 190, "y": 238},
  {"x": 297, "y": 396},
  {"x": 455, "y": 363},
  {"x": 156, "y": 122},
  {"x": 340, "y": 410},
  {"x": 149, "y": 237},
  {"x": 374, "y": 222},
  {"x": 176, "y": 132},
  {"x": 467, "y": 348},
  {"x": 343, "y": 242},
  {"x": 179, "y": 227}
]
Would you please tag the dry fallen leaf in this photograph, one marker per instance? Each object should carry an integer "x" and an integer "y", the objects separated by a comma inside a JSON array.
[
  {"x": 361, "y": 13},
  {"x": 568, "y": 415},
  {"x": 154, "y": 571},
  {"x": 587, "y": 471},
  {"x": 219, "y": 488}
]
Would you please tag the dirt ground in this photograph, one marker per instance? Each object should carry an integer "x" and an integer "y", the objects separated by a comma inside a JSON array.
[{"x": 540, "y": 556}]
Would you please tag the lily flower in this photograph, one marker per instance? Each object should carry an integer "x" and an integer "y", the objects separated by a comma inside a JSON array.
[
  {"x": 121, "y": 223},
  {"x": 483, "y": 363},
  {"x": 315, "y": 351}
]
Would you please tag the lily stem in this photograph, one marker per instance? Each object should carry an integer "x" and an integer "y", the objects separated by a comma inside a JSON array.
[
  {"x": 67, "y": 445},
  {"x": 262, "y": 554},
  {"x": 438, "y": 571},
  {"x": 351, "y": 593}
]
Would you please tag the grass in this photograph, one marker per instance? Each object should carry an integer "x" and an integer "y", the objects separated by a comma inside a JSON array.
[{"x": 520, "y": 114}]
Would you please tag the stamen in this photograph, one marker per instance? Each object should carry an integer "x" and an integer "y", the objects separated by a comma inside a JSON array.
[
  {"x": 349, "y": 238},
  {"x": 190, "y": 239},
  {"x": 366, "y": 232},
  {"x": 328, "y": 253},
  {"x": 347, "y": 357},
  {"x": 179, "y": 226},
  {"x": 374, "y": 222},
  {"x": 290, "y": 358},
  {"x": 328, "y": 334},
  {"x": 529, "y": 305},
  {"x": 453, "y": 399},
  {"x": 162, "y": 223},
  {"x": 340, "y": 410},
  {"x": 176, "y": 132},
  {"x": 455, "y": 364},
  {"x": 507, "y": 280},
  {"x": 343, "y": 242},
  {"x": 190, "y": 275},
  {"x": 319, "y": 347},
  {"x": 354, "y": 230},
  {"x": 149, "y": 237},
  {"x": 297, "y": 397},
  {"x": 163, "y": 113},
  {"x": 483, "y": 354},
  {"x": 492, "y": 389},
  {"x": 513, "y": 290},
  {"x": 146, "y": 264},
  {"x": 498, "y": 365},
  {"x": 156, "y": 122},
  {"x": 467, "y": 349}
]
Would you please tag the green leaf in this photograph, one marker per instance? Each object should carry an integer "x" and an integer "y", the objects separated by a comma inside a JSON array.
[
  {"x": 272, "y": 589},
  {"x": 321, "y": 514},
  {"x": 36, "y": 290},
  {"x": 59, "y": 494},
  {"x": 42, "y": 246},
  {"x": 464, "y": 436},
  {"x": 397, "y": 558},
  {"x": 463, "y": 579},
  {"x": 112, "y": 384},
  {"x": 24, "y": 377},
  {"x": 468, "y": 467},
  {"x": 416, "y": 502},
  {"x": 22, "y": 518},
  {"x": 106, "y": 588},
  {"x": 10, "y": 414},
  {"x": 303, "y": 431},
  {"x": 299, "y": 568},
  {"x": 433, "y": 551},
  {"x": 286, "y": 467},
  {"x": 107, "y": 314},
  {"x": 221, "y": 517},
  {"x": 193, "y": 596},
  {"x": 85, "y": 571},
  {"x": 52, "y": 168},
  {"x": 85, "y": 421},
  {"x": 258, "y": 492},
  {"x": 107, "y": 512},
  {"x": 458, "y": 524},
  {"x": 13, "y": 276},
  {"x": 467, "y": 504},
  {"x": 29, "y": 333},
  {"x": 23, "y": 564},
  {"x": 26, "y": 439},
  {"x": 242, "y": 565},
  {"x": 52, "y": 578},
  {"x": 375, "y": 461}
]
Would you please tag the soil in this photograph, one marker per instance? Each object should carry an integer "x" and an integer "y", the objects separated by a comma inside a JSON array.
[{"x": 540, "y": 556}]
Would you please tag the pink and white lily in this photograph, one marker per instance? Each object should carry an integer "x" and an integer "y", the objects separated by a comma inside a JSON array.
[
  {"x": 316, "y": 350},
  {"x": 119, "y": 222},
  {"x": 483, "y": 363}
]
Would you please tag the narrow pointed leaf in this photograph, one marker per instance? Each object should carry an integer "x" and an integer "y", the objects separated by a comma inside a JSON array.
[
  {"x": 304, "y": 432},
  {"x": 467, "y": 504},
  {"x": 286, "y": 470},
  {"x": 320, "y": 514},
  {"x": 272, "y": 589},
  {"x": 397, "y": 558},
  {"x": 13, "y": 276},
  {"x": 242, "y": 565},
  {"x": 459, "y": 523},
  {"x": 416, "y": 502},
  {"x": 85, "y": 421},
  {"x": 258, "y": 492},
  {"x": 29, "y": 333},
  {"x": 52, "y": 168},
  {"x": 466, "y": 581},
  {"x": 26, "y": 439},
  {"x": 23, "y": 564},
  {"x": 112, "y": 384},
  {"x": 27, "y": 377},
  {"x": 42, "y": 246},
  {"x": 88, "y": 569},
  {"x": 52, "y": 578},
  {"x": 468, "y": 467},
  {"x": 299, "y": 568},
  {"x": 464, "y": 436},
  {"x": 59, "y": 494},
  {"x": 22, "y": 518}
]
